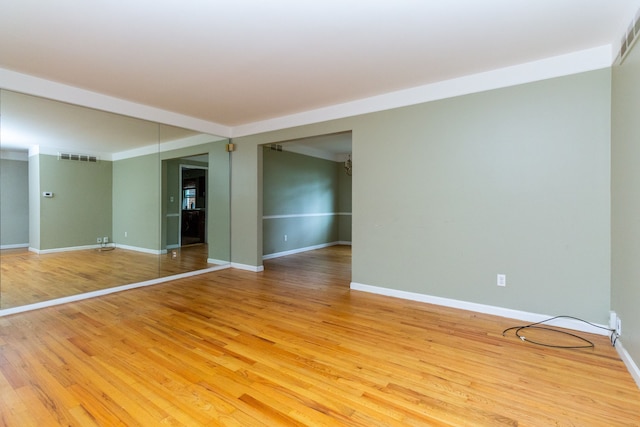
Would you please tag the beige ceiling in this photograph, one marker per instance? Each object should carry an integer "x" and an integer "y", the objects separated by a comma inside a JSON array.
[{"x": 238, "y": 62}]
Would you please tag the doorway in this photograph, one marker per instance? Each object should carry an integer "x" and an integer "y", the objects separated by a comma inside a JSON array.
[
  {"x": 306, "y": 195},
  {"x": 193, "y": 213}
]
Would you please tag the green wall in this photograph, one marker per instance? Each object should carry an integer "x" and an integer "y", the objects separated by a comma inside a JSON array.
[
  {"x": 34, "y": 202},
  {"x": 218, "y": 196},
  {"x": 136, "y": 202},
  {"x": 218, "y": 204},
  {"x": 80, "y": 210},
  {"x": 625, "y": 290},
  {"x": 448, "y": 194},
  {"x": 14, "y": 202},
  {"x": 301, "y": 198},
  {"x": 344, "y": 205}
]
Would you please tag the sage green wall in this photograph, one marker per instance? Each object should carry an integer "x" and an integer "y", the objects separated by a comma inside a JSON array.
[
  {"x": 448, "y": 194},
  {"x": 297, "y": 186},
  {"x": 218, "y": 196},
  {"x": 625, "y": 287},
  {"x": 34, "y": 202},
  {"x": 344, "y": 205},
  {"x": 219, "y": 209},
  {"x": 14, "y": 202},
  {"x": 80, "y": 210},
  {"x": 136, "y": 202}
]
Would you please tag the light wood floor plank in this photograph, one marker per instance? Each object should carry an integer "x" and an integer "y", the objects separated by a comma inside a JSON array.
[
  {"x": 29, "y": 278},
  {"x": 293, "y": 345}
]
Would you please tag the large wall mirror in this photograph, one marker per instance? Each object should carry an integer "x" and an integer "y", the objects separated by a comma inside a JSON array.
[{"x": 92, "y": 200}]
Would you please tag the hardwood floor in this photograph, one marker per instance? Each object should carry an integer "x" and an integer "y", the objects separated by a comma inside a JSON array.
[
  {"x": 27, "y": 278},
  {"x": 294, "y": 346}
]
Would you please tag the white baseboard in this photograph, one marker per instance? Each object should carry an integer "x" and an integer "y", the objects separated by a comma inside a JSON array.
[
  {"x": 253, "y": 268},
  {"x": 143, "y": 250},
  {"x": 632, "y": 367},
  {"x": 482, "y": 308},
  {"x": 218, "y": 261},
  {"x": 67, "y": 249},
  {"x": 305, "y": 249},
  {"x": 15, "y": 246},
  {"x": 628, "y": 361},
  {"x": 87, "y": 295}
]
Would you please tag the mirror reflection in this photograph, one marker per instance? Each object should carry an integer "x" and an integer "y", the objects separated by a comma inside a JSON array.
[{"x": 91, "y": 200}]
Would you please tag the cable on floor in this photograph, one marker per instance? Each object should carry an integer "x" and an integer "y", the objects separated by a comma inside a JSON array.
[{"x": 613, "y": 337}]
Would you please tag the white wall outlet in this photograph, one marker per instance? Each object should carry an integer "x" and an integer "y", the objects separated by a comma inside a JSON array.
[
  {"x": 125, "y": 234},
  {"x": 99, "y": 239},
  {"x": 285, "y": 237},
  {"x": 613, "y": 320},
  {"x": 618, "y": 326},
  {"x": 105, "y": 239},
  {"x": 502, "y": 280}
]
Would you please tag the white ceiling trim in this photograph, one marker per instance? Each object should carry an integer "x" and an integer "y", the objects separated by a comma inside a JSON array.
[
  {"x": 576, "y": 62},
  {"x": 558, "y": 66},
  {"x": 31, "y": 85}
]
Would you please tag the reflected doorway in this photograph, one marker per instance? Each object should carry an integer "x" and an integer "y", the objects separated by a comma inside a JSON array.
[
  {"x": 193, "y": 218},
  {"x": 306, "y": 197}
]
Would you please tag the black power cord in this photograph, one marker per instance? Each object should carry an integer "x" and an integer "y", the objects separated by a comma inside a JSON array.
[{"x": 588, "y": 344}]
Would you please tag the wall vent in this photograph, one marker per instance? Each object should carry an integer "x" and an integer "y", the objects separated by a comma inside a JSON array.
[
  {"x": 77, "y": 157},
  {"x": 630, "y": 37}
]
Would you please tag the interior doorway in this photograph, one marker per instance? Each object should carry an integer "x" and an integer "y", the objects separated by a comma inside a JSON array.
[
  {"x": 306, "y": 196},
  {"x": 193, "y": 213}
]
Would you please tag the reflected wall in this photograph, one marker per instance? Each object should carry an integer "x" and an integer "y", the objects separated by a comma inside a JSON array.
[{"x": 83, "y": 202}]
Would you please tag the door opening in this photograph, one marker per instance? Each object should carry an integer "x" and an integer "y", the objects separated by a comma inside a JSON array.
[{"x": 193, "y": 222}]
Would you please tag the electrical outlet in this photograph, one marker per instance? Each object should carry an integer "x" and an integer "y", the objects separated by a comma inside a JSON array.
[
  {"x": 502, "y": 280},
  {"x": 105, "y": 239},
  {"x": 99, "y": 239},
  {"x": 613, "y": 319},
  {"x": 126, "y": 234},
  {"x": 285, "y": 237},
  {"x": 618, "y": 326}
]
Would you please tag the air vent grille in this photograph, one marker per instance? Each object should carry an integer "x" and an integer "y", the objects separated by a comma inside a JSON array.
[
  {"x": 630, "y": 37},
  {"x": 77, "y": 157}
]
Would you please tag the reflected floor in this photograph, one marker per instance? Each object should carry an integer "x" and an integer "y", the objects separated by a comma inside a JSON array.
[{"x": 27, "y": 278}]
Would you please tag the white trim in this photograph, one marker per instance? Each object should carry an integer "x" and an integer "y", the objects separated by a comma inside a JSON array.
[
  {"x": 557, "y": 66},
  {"x": 134, "y": 152},
  {"x": 306, "y": 215},
  {"x": 480, "y": 308},
  {"x": 218, "y": 261},
  {"x": 102, "y": 292},
  {"x": 299, "y": 250},
  {"x": 67, "y": 249},
  {"x": 247, "y": 267},
  {"x": 31, "y": 85},
  {"x": 139, "y": 249},
  {"x": 629, "y": 363},
  {"x": 14, "y": 246},
  {"x": 191, "y": 141}
]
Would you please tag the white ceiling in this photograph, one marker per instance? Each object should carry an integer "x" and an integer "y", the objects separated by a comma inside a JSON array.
[{"x": 241, "y": 62}]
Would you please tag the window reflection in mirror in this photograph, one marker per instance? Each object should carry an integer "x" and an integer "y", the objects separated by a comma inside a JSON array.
[{"x": 82, "y": 199}]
